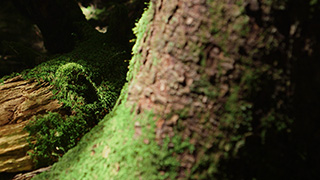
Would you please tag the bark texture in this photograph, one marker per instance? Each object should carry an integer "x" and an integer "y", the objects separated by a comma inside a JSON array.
[
  {"x": 20, "y": 101},
  {"x": 170, "y": 67},
  {"x": 223, "y": 76}
]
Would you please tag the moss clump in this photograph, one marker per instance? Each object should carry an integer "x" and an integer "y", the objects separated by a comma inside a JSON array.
[
  {"x": 55, "y": 135},
  {"x": 74, "y": 84},
  {"x": 87, "y": 81}
]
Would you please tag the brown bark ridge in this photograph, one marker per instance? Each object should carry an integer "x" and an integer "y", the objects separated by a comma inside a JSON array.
[{"x": 20, "y": 101}]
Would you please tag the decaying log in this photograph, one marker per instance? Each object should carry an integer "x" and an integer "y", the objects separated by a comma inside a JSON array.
[
  {"x": 13, "y": 149},
  {"x": 29, "y": 175},
  {"x": 20, "y": 101}
]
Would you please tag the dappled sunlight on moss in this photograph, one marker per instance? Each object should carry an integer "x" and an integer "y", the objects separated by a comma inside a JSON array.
[{"x": 87, "y": 81}]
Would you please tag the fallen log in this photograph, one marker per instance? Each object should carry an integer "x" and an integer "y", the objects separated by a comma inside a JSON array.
[{"x": 20, "y": 101}]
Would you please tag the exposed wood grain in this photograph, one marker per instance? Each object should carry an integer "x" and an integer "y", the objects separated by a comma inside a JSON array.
[
  {"x": 20, "y": 101},
  {"x": 29, "y": 175}
]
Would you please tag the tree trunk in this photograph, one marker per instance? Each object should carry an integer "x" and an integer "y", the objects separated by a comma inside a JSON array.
[{"x": 20, "y": 101}]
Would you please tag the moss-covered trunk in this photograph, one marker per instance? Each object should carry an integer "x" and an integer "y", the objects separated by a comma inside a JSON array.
[{"x": 210, "y": 95}]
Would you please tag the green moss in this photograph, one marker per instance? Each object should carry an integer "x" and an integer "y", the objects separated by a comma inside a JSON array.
[
  {"x": 203, "y": 86},
  {"x": 130, "y": 151},
  {"x": 75, "y": 85},
  {"x": 55, "y": 135},
  {"x": 140, "y": 31},
  {"x": 87, "y": 81},
  {"x": 4, "y": 78}
]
